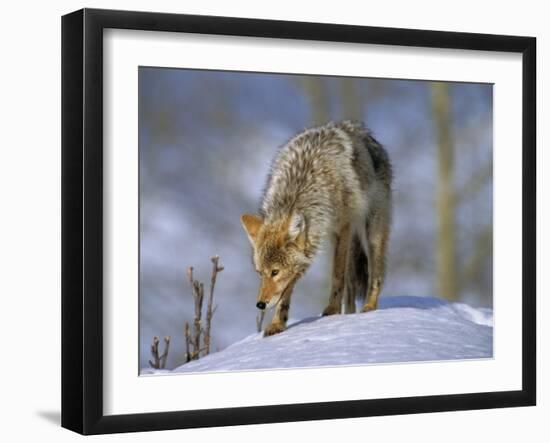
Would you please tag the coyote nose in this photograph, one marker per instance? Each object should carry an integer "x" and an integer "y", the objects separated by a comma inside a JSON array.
[{"x": 260, "y": 305}]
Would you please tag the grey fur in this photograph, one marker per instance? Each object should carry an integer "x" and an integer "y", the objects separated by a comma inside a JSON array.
[{"x": 331, "y": 182}]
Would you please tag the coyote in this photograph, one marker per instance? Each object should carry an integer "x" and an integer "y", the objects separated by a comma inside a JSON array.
[{"x": 330, "y": 182}]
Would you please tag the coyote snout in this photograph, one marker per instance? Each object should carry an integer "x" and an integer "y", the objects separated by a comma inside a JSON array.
[
  {"x": 332, "y": 182},
  {"x": 270, "y": 292}
]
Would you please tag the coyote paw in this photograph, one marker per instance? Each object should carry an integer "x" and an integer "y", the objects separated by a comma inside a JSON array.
[
  {"x": 368, "y": 308},
  {"x": 274, "y": 328},
  {"x": 331, "y": 310}
]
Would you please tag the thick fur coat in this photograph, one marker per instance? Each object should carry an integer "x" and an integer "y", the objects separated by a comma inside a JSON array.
[{"x": 331, "y": 182}]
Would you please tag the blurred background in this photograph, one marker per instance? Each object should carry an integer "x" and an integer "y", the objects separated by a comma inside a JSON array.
[{"x": 206, "y": 140}]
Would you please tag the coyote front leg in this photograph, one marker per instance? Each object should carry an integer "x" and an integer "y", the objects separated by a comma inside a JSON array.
[
  {"x": 278, "y": 322},
  {"x": 339, "y": 267}
]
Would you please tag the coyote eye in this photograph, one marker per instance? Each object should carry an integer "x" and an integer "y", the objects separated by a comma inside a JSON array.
[{"x": 274, "y": 272}]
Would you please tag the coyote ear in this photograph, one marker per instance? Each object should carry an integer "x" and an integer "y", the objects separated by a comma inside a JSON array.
[
  {"x": 251, "y": 224},
  {"x": 297, "y": 228}
]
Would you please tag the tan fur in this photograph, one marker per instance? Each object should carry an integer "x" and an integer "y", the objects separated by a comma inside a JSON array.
[{"x": 327, "y": 183}]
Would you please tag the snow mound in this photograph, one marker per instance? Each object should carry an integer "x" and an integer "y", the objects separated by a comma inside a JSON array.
[
  {"x": 403, "y": 329},
  {"x": 152, "y": 371}
]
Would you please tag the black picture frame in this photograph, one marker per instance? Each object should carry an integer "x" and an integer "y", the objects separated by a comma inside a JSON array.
[{"x": 82, "y": 218}]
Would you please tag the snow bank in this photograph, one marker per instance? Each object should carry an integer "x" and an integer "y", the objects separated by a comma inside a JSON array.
[{"x": 403, "y": 329}]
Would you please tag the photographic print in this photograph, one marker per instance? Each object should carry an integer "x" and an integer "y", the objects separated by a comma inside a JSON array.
[
  {"x": 248, "y": 198},
  {"x": 295, "y": 221}
]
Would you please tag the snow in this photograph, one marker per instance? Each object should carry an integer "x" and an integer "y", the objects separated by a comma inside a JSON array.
[
  {"x": 152, "y": 371},
  {"x": 403, "y": 329}
]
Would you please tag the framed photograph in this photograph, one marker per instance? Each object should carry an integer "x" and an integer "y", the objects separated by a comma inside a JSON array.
[{"x": 268, "y": 221}]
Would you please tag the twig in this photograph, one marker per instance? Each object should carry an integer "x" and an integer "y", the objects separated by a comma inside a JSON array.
[
  {"x": 195, "y": 355},
  {"x": 210, "y": 310},
  {"x": 155, "y": 354},
  {"x": 187, "y": 342},
  {"x": 165, "y": 353},
  {"x": 193, "y": 333},
  {"x": 159, "y": 362},
  {"x": 260, "y": 320},
  {"x": 198, "y": 294}
]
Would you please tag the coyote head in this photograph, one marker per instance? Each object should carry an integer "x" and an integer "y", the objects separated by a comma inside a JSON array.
[{"x": 279, "y": 254}]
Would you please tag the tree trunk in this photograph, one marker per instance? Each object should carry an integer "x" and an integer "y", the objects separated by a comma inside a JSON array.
[
  {"x": 351, "y": 99},
  {"x": 316, "y": 94},
  {"x": 446, "y": 248}
]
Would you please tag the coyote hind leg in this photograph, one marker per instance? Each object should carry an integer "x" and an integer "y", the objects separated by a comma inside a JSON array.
[
  {"x": 377, "y": 244},
  {"x": 356, "y": 275},
  {"x": 340, "y": 260}
]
